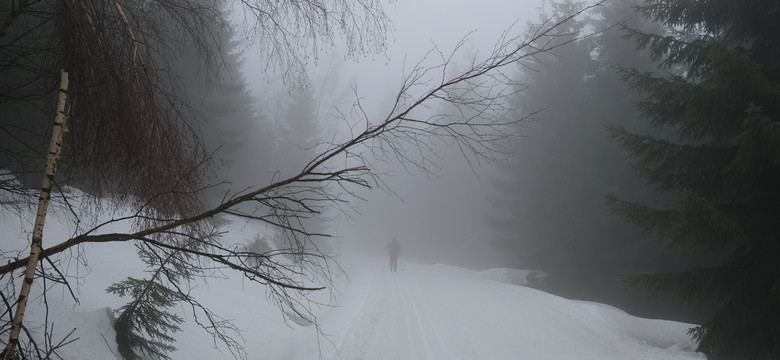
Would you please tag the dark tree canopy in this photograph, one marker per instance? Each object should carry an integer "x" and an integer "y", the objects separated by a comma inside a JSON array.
[
  {"x": 147, "y": 81},
  {"x": 128, "y": 117},
  {"x": 135, "y": 127},
  {"x": 720, "y": 93},
  {"x": 549, "y": 210},
  {"x": 180, "y": 244}
]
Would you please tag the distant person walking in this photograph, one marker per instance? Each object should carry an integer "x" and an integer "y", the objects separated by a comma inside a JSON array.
[{"x": 394, "y": 249}]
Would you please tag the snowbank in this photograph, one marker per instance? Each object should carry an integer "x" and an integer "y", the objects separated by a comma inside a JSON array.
[
  {"x": 511, "y": 276},
  {"x": 423, "y": 312}
]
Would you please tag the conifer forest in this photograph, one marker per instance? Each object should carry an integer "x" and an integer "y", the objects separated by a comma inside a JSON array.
[{"x": 560, "y": 179}]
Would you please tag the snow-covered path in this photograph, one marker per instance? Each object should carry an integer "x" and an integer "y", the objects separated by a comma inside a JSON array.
[
  {"x": 430, "y": 312},
  {"x": 440, "y": 312},
  {"x": 393, "y": 323}
]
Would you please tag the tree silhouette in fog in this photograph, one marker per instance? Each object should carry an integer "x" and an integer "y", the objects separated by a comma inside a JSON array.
[{"x": 718, "y": 89}]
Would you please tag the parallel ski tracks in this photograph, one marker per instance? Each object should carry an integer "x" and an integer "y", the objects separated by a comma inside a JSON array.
[{"x": 393, "y": 318}]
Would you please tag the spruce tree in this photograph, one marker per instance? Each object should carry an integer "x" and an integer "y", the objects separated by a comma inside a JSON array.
[
  {"x": 548, "y": 209},
  {"x": 145, "y": 325},
  {"x": 535, "y": 201},
  {"x": 297, "y": 128},
  {"x": 720, "y": 92}
]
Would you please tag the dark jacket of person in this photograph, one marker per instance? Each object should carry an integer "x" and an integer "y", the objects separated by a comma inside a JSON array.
[{"x": 395, "y": 248}]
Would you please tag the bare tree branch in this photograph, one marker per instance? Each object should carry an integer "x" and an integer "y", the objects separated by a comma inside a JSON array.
[
  {"x": 478, "y": 133},
  {"x": 476, "y": 122}
]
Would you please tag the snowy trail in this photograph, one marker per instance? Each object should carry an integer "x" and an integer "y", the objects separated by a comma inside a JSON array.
[
  {"x": 425, "y": 312},
  {"x": 431, "y": 312},
  {"x": 393, "y": 323}
]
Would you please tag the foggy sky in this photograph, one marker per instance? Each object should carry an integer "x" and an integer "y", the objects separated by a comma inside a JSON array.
[{"x": 436, "y": 219}]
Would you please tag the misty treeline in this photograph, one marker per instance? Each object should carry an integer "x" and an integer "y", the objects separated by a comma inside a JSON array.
[
  {"x": 153, "y": 128},
  {"x": 655, "y": 163},
  {"x": 549, "y": 204}
]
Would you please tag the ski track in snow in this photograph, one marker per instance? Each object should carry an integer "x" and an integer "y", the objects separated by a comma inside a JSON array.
[
  {"x": 393, "y": 323},
  {"x": 437, "y": 312},
  {"x": 424, "y": 312}
]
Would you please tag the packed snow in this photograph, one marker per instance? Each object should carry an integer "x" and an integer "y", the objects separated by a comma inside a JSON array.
[{"x": 423, "y": 311}]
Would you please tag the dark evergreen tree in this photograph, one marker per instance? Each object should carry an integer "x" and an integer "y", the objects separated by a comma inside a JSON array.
[
  {"x": 298, "y": 132},
  {"x": 539, "y": 173},
  {"x": 721, "y": 95},
  {"x": 550, "y": 214},
  {"x": 229, "y": 120},
  {"x": 145, "y": 325},
  {"x": 531, "y": 229},
  {"x": 297, "y": 127}
]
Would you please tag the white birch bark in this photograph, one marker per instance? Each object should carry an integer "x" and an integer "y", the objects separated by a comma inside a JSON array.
[{"x": 55, "y": 147}]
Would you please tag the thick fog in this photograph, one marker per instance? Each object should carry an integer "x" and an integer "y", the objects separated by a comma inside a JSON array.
[
  {"x": 541, "y": 206},
  {"x": 611, "y": 152},
  {"x": 437, "y": 217}
]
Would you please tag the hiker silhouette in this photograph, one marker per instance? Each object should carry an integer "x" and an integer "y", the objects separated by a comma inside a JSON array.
[{"x": 394, "y": 249}]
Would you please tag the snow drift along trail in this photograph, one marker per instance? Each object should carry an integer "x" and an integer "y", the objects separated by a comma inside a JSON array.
[
  {"x": 443, "y": 312},
  {"x": 432, "y": 312}
]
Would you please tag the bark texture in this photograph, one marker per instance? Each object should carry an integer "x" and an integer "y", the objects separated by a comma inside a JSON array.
[{"x": 55, "y": 147}]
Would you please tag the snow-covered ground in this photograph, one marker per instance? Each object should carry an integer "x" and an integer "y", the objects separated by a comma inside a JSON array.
[
  {"x": 444, "y": 312},
  {"x": 421, "y": 312}
]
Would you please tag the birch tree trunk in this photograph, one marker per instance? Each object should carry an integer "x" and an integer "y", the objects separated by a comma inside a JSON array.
[{"x": 55, "y": 147}]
